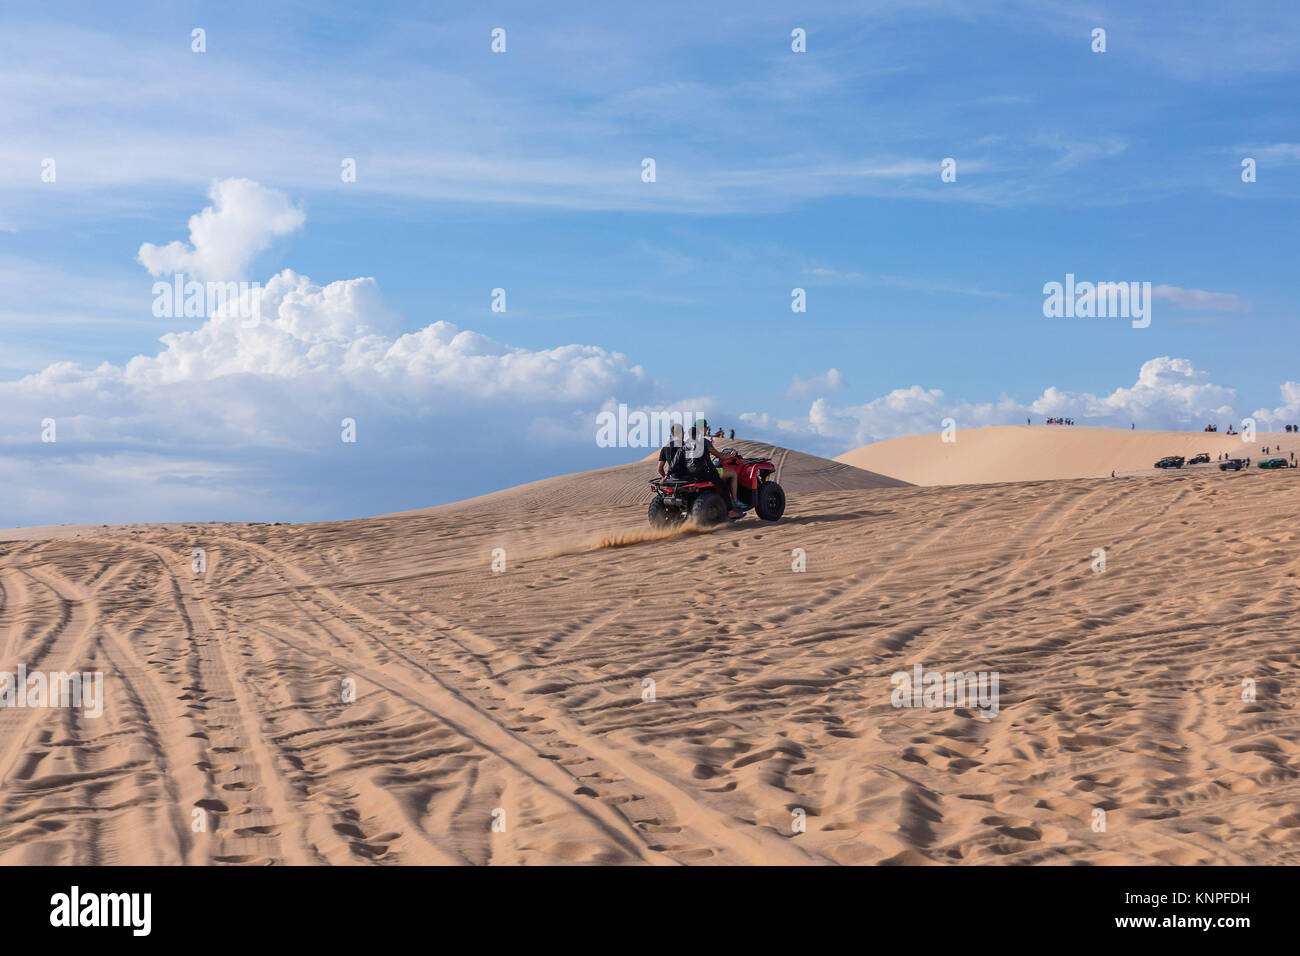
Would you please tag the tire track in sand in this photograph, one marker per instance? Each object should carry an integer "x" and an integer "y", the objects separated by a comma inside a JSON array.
[
  {"x": 747, "y": 842},
  {"x": 245, "y": 743}
]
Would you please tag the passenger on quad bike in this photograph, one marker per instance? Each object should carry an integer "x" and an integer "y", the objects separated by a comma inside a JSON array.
[
  {"x": 695, "y": 460},
  {"x": 669, "y": 451}
]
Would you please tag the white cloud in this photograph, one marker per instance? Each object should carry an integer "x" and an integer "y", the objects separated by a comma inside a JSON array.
[
  {"x": 562, "y": 138},
  {"x": 1169, "y": 393},
  {"x": 316, "y": 349},
  {"x": 1072, "y": 153},
  {"x": 904, "y": 282},
  {"x": 1199, "y": 299},
  {"x": 1276, "y": 154},
  {"x": 832, "y": 380},
  {"x": 241, "y": 222},
  {"x": 246, "y": 421},
  {"x": 1288, "y": 413}
]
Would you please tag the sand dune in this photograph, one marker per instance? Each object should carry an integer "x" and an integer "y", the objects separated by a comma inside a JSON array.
[
  {"x": 520, "y": 696},
  {"x": 1038, "y": 452},
  {"x": 625, "y": 484}
]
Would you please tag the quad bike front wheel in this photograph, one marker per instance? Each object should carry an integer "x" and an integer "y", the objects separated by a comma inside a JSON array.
[
  {"x": 709, "y": 509},
  {"x": 771, "y": 501}
]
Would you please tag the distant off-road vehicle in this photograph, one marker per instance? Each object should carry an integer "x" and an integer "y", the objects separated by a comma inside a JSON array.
[
  {"x": 1232, "y": 464},
  {"x": 1275, "y": 463},
  {"x": 1201, "y": 459},
  {"x": 1171, "y": 461}
]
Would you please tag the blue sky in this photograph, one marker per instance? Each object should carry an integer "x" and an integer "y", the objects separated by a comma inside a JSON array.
[{"x": 522, "y": 170}]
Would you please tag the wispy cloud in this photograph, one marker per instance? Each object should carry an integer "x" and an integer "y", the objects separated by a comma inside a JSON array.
[
  {"x": 729, "y": 127},
  {"x": 828, "y": 382},
  {"x": 914, "y": 283},
  {"x": 1200, "y": 299}
]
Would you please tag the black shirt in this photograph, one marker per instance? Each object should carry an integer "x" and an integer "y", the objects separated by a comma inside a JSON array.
[{"x": 702, "y": 464}]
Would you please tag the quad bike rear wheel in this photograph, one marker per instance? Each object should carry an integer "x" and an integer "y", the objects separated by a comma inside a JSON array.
[
  {"x": 771, "y": 501},
  {"x": 659, "y": 515},
  {"x": 709, "y": 509}
]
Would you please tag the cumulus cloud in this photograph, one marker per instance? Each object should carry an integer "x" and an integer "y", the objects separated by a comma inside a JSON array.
[
  {"x": 1288, "y": 413},
  {"x": 247, "y": 421},
  {"x": 243, "y": 220},
  {"x": 240, "y": 420},
  {"x": 346, "y": 332},
  {"x": 346, "y": 341},
  {"x": 1169, "y": 393}
]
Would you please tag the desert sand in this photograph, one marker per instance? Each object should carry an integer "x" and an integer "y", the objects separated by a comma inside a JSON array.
[
  {"x": 519, "y": 697},
  {"x": 1038, "y": 452}
]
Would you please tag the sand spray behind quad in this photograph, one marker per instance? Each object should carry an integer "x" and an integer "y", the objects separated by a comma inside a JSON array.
[{"x": 629, "y": 536}]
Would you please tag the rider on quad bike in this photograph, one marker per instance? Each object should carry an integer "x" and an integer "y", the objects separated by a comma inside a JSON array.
[
  {"x": 701, "y": 496},
  {"x": 694, "y": 461}
]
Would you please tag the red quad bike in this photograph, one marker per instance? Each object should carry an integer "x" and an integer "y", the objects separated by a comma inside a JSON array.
[{"x": 676, "y": 499}]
